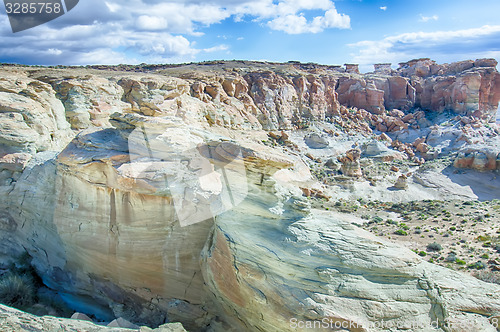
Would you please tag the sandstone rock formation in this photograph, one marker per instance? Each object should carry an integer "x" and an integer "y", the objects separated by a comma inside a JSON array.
[
  {"x": 319, "y": 269},
  {"x": 32, "y": 117},
  {"x": 152, "y": 196},
  {"x": 350, "y": 163},
  {"x": 481, "y": 157},
  {"x": 402, "y": 182},
  {"x": 463, "y": 86}
]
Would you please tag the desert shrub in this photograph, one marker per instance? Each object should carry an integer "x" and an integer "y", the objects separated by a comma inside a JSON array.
[
  {"x": 401, "y": 232},
  {"x": 460, "y": 261},
  {"x": 404, "y": 226},
  {"x": 391, "y": 222},
  {"x": 477, "y": 265},
  {"x": 484, "y": 238},
  {"x": 434, "y": 247},
  {"x": 17, "y": 290},
  {"x": 422, "y": 253}
]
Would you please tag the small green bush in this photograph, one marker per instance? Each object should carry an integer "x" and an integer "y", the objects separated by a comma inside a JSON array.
[
  {"x": 460, "y": 261},
  {"x": 422, "y": 253},
  {"x": 404, "y": 226},
  {"x": 401, "y": 232}
]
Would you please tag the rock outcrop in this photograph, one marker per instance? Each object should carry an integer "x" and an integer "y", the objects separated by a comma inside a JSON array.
[
  {"x": 318, "y": 270},
  {"x": 316, "y": 141},
  {"x": 481, "y": 157},
  {"x": 32, "y": 118},
  {"x": 463, "y": 86},
  {"x": 157, "y": 197},
  {"x": 402, "y": 182},
  {"x": 350, "y": 163}
]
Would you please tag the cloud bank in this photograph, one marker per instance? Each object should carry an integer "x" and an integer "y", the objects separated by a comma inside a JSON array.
[{"x": 112, "y": 31}]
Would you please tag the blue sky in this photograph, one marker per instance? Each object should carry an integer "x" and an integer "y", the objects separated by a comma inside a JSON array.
[{"x": 321, "y": 31}]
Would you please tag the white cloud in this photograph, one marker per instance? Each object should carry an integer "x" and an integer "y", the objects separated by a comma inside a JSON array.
[
  {"x": 443, "y": 46},
  {"x": 291, "y": 24},
  {"x": 54, "y": 51},
  {"x": 297, "y": 23},
  {"x": 151, "y": 23},
  {"x": 384, "y": 8},
  {"x": 428, "y": 18},
  {"x": 217, "y": 48}
]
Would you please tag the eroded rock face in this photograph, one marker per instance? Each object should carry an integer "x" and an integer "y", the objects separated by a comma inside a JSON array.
[
  {"x": 481, "y": 157},
  {"x": 463, "y": 86},
  {"x": 88, "y": 100},
  {"x": 300, "y": 266},
  {"x": 32, "y": 119},
  {"x": 106, "y": 234}
]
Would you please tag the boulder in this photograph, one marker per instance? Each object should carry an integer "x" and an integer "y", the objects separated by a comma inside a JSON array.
[
  {"x": 316, "y": 141},
  {"x": 485, "y": 63},
  {"x": 402, "y": 182},
  {"x": 377, "y": 149},
  {"x": 120, "y": 322},
  {"x": 481, "y": 157},
  {"x": 80, "y": 316}
]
